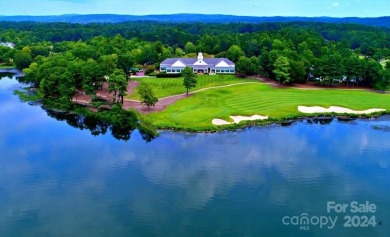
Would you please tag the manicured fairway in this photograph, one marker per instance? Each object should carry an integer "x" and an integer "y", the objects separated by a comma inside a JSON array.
[
  {"x": 198, "y": 111},
  {"x": 164, "y": 87}
]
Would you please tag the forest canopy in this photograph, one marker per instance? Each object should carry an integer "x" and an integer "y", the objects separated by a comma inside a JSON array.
[{"x": 82, "y": 55}]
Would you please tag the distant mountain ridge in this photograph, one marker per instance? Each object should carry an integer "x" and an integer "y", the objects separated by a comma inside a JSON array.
[{"x": 181, "y": 18}]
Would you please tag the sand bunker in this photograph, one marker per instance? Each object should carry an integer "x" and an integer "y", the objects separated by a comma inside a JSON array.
[
  {"x": 238, "y": 119},
  {"x": 335, "y": 109},
  {"x": 220, "y": 122}
]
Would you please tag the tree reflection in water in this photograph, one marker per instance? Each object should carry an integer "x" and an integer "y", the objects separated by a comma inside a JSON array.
[{"x": 94, "y": 125}]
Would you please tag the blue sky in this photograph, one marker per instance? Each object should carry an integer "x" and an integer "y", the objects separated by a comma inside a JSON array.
[{"x": 334, "y": 8}]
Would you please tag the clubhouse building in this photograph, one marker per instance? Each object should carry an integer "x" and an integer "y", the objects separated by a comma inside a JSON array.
[{"x": 199, "y": 65}]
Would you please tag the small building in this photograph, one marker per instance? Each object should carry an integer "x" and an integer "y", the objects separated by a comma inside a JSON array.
[
  {"x": 140, "y": 73},
  {"x": 199, "y": 65},
  {"x": 7, "y": 44},
  {"x": 137, "y": 72}
]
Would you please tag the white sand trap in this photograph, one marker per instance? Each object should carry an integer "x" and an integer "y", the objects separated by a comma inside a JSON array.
[
  {"x": 220, "y": 122},
  {"x": 238, "y": 119},
  {"x": 335, "y": 109}
]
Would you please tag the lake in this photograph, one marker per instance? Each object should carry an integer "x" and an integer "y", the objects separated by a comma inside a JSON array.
[{"x": 58, "y": 180}]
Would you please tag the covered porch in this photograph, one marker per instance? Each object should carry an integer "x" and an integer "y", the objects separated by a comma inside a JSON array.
[{"x": 203, "y": 69}]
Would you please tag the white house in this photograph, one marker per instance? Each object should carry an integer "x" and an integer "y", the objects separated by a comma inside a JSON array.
[
  {"x": 7, "y": 44},
  {"x": 199, "y": 65}
]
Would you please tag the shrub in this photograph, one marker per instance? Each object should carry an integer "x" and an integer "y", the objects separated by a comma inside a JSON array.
[
  {"x": 153, "y": 74},
  {"x": 149, "y": 69},
  {"x": 164, "y": 75}
]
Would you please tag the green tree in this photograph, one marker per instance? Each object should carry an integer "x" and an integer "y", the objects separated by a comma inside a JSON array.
[
  {"x": 277, "y": 44},
  {"x": 31, "y": 74},
  {"x": 373, "y": 75},
  {"x": 22, "y": 59},
  {"x": 59, "y": 84},
  {"x": 282, "y": 70},
  {"x": 234, "y": 53},
  {"x": 84, "y": 51},
  {"x": 333, "y": 67},
  {"x": 248, "y": 66},
  {"x": 385, "y": 84},
  {"x": 117, "y": 83},
  {"x": 108, "y": 63},
  {"x": 93, "y": 76},
  {"x": 189, "y": 78},
  {"x": 179, "y": 52},
  {"x": 125, "y": 62},
  {"x": 40, "y": 50},
  {"x": 5, "y": 54},
  {"x": 353, "y": 67},
  {"x": 297, "y": 71},
  {"x": 387, "y": 65},
  {"x": 147, "y": 95},
  {"x": 190, "y": 48},
  {"x": 74, "y": 68}
]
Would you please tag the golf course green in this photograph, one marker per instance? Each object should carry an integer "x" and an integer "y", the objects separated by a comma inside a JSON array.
[{"x": 198, "y": 111}]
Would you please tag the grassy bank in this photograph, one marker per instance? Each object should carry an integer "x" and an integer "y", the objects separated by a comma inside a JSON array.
[
  {"x": 164, "y": 87},
  {"x": 6, "y": 67},
  {"x": 198, "y": 111}
]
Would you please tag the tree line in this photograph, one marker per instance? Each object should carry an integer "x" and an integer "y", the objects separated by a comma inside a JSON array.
[{"x": 287, "y": 52}]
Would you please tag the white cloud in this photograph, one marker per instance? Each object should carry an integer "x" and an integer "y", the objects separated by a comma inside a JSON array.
[{"x": 335, "y": 4}]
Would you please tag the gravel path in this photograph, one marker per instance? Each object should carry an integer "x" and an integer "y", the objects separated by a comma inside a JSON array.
[{"x": 161, "y": 105}]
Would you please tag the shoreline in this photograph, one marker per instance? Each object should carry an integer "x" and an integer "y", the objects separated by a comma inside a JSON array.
[
  {"x": 16, "y": 72},
  {"x": 285, "y": 121}
]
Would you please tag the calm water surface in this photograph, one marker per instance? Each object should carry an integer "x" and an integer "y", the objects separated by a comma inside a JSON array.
[{"x": 56, "y": 180}]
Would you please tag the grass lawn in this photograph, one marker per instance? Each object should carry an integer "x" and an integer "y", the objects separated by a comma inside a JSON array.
[
  {"x": 6, "y": 67},
  {"x": 164, "y": 87},
  {"x": 198, "y": 111}
]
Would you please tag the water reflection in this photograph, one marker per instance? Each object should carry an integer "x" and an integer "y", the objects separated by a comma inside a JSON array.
[
  {"x": 54, "y": 178},
  {"x": 94, "y": 125}
]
